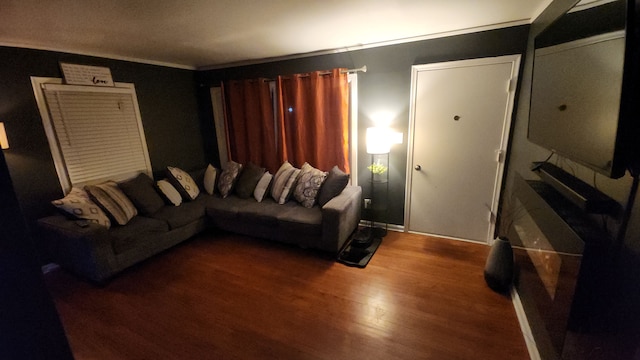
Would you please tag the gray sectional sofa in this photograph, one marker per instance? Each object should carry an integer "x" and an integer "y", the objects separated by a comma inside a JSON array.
[{"x": 97, "y": 253}]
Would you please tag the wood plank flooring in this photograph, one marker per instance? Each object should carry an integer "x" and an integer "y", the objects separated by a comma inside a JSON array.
[{"x": 224, "y": 296}]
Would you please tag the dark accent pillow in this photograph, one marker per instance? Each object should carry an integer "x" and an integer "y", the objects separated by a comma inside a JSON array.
[
  {"x": 336, "y": 181},
  {"x": 248, "y": 180},
  {"x": 142, "y": 193}
]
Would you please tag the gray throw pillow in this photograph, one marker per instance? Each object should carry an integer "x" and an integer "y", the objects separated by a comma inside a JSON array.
[
  {"x": 142, "y": 193},
  {"x": 336, "y": 181},
  {"x": 248, "y": 180}
]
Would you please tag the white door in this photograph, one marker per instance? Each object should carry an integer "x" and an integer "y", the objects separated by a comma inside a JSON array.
[{"x": 460, "y": 118}]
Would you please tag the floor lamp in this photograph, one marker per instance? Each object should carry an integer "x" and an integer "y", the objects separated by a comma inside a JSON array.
[{"x": 375, "y": 204}]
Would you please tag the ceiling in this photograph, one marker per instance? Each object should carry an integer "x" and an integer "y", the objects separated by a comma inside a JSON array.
[{"x": 214, "y": 33}]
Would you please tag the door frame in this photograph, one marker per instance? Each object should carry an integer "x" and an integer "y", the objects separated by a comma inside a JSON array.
[{"x": 501, "y": 152}]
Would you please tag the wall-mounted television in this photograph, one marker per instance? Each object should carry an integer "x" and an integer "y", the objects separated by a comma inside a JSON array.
[{"x": 584, "y": 90}]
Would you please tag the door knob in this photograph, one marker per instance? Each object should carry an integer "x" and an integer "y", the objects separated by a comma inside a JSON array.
[{"x": 418, "y": 167}]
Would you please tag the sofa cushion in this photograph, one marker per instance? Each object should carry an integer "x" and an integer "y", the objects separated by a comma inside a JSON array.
[
  {"x": 142, "y": 193},
  {"x": 183, "y": 182},
  {"x": 264, "y": 213},
  {"x": 128, "y": 237},
  {"x": 177, "y": 216},
  {"x": 333, "y": 185},
  {"x": 309, "y": 183},
  {"x": 248, "y": 180},
  {"x": 228, "y": 178},
  {"x": 113, "y": 201},
  {"x": 226, "y": 208},
  {"x": 296, "y": 219},
  {"x": 78, "y": 205}
]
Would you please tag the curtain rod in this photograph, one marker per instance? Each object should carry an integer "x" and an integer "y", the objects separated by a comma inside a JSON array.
[
  {"x": 348, "y": 71},
  {"x": 363, "y": 69}
]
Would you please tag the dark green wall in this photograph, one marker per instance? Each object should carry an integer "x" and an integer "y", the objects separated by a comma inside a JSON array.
[
  {"x": 168, "y": 105},
  {"x": 384, "y": 87}
]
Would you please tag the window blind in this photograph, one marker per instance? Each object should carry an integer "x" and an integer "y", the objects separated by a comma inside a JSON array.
[{"x": 98, "y": 132}]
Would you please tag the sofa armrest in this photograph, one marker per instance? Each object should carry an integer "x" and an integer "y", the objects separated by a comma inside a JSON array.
[
  {"x": 340, "y": 217},
  {"x": 86, "y": 250}
]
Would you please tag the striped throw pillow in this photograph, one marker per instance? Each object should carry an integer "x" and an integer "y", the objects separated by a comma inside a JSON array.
[{"x": 113, "y": 201}]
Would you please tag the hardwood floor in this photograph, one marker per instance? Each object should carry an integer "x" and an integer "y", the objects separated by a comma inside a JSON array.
[{"x": 223, "y": 296}]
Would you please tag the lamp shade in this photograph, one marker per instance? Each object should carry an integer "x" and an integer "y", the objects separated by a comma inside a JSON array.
[
  {"x": 4, "y": 142},
  {"x": 378, "y": 140}
]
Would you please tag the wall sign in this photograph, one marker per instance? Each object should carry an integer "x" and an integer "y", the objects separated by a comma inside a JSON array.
[{"x": 86, "y": 75}]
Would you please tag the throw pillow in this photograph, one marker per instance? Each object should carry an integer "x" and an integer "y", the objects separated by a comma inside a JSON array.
[
  {"x": 113, "y": 201},
  {"x": 262, "y": 187},
  {"x": 280, "y": 179},
  {"x": 142, "y": 193},
  {"x": 183, "y": 182},
  {"x": 171, "y": 195},
  {"x": 209, "y": 181},
  {"x": 248, "y": 180},
  {"x": 77, "y": 205},
  {"x": 287, "y": 189},
  {"x": 309, "y": 184},
  {"x": 228, "y": 178},
  {"x": 336, "y": 181}
]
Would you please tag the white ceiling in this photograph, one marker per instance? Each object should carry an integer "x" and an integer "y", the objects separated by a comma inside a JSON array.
[{"x": 210, "y": 33}]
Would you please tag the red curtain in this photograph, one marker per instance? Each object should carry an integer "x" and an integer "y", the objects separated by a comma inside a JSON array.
[
  {"x": 313, "y": 119},
  {"x": 250, "y": 125}
]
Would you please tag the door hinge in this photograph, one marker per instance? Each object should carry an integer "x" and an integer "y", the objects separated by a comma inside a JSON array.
[
  {"x": 500, "y": 155},
  {"x": 511, "y": 85}
]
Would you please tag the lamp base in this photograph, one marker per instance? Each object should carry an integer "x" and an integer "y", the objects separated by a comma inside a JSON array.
[{"x": 362, "y": 238}]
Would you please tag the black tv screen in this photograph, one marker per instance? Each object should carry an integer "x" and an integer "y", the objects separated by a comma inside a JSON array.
[{"x": 577, "y": 104}]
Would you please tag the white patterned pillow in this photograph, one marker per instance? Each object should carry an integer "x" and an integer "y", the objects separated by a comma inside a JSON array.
[
  {"x": 113, "y": 201},
  {"x": 78, "y": 205},
  {"x": 228, "y": 178},
  {"x": 183, "y": 182},
  {"x": 169, "y": 192},
  {"x": 263, "y": 185},
  {"x": 209, "y": 181},
  {"x": 309, "y": 183}
]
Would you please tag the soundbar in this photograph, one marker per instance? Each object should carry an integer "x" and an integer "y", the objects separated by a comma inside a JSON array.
[{"x": 586, "y": 197}]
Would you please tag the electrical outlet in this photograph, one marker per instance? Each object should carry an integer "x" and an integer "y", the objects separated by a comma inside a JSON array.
[{"x": 367, "y": 203}]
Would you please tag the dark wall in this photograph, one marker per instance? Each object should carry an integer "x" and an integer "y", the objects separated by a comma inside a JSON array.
[
  {"x": 168, "y": 106},
  {"x": 384, "y": 87}
]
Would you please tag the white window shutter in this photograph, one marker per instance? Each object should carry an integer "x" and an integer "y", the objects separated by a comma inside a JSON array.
[{"x": 98, "y": 132}]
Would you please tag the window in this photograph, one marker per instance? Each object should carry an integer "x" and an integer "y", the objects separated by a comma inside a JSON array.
[{"x": 95, "y": 133}]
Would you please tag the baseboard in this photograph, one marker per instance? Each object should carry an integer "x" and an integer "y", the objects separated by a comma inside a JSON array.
[
  {"x": 391, "y": 227},
  {"x": 524, "y": 325}
]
